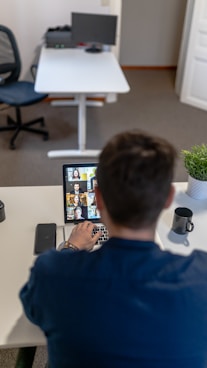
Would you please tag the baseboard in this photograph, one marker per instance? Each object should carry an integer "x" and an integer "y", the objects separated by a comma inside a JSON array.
[{"x": 148, "y": 67}]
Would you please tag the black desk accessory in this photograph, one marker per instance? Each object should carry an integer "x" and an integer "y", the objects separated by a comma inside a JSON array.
[
  {"x": 45, "y": 237},
  {"x": 59, "y": 38},
  {"x": 2, "y": 212}
]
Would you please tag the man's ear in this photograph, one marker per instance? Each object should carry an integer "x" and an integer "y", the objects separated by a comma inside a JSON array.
[
  {"x": 170, "y": 197},
  {"x": 99, "y": 199}
]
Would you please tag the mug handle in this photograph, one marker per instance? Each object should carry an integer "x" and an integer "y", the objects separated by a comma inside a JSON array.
[{"x": 190, "y": 226}]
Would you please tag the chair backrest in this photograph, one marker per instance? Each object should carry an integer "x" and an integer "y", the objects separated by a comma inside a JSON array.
[{"x": 10, "y": 62}]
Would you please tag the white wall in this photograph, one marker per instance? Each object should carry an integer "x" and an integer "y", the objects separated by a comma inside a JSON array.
[
  {"x": 184, "y": 45},
  {"x": 29, "y": 20},
  {"x": 150, "y": 29},
  {"x": 151, "y": 32}
]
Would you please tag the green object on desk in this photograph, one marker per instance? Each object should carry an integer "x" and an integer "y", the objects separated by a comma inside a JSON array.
[{"x": 25, "y": 357}]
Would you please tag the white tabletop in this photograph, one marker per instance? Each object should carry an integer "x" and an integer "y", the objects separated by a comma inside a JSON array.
[
  {"x": 197, "y": 239},
  {"x": 78, "y": 71},
  {"x": 24, "y": 207},
  {"x": 27, "y": 206}
]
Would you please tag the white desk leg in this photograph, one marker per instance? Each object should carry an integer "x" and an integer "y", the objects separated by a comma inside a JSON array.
[
  {"x": 82, "y": 122},
  {"x": 81, "y": 152}
]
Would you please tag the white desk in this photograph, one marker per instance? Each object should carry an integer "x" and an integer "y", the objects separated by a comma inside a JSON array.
[
  {"x": 197, "y": 239},
  {"x": 82, "y": 73},
  {"x": 24, "y": 207},
  {"x": 27, "y": 206}
]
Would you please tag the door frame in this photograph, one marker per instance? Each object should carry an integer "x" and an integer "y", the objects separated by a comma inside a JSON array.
[{"x": 115, "y": 7}]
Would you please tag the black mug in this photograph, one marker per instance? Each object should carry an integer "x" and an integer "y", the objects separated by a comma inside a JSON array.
[
  {"x": 182, "y": 221},
  {"x": 2, "y": 212}
]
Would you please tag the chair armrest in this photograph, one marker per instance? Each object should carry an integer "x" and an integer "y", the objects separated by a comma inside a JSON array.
[
  {"x": 2, "y": 81},
  {"x": 33, "y": 70}
]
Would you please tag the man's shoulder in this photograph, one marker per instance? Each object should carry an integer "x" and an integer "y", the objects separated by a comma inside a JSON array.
[
  {"x": 54, "y": 261},
  {"x": 200, "y": 258},
  {"x": 186, "y": 267},
  {"x": 197, "y": 255},
  {"x": 47, "y": 258}
]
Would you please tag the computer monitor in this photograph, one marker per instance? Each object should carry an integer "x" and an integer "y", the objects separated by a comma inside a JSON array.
[{"x": 94, "y": 29}]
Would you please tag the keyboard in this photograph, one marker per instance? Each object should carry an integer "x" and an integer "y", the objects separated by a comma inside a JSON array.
[
  {"x": 104, "y": 236},
  {"x": 68, "y": 228}
]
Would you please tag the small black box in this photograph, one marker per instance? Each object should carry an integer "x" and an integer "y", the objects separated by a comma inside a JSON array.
[{"x": 59, "y": 37}]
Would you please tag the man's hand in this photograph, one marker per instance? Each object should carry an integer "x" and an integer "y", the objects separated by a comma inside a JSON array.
[{"x": 82, "y": 237}]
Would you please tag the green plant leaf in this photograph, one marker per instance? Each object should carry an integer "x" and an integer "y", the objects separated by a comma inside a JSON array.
[{"x": 195, "y": 161}]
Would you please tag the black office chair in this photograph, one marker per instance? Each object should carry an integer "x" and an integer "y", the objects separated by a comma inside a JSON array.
[{"x": 14, "y": 92}]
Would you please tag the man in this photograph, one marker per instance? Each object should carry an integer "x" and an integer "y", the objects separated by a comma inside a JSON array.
[
  {"x": 77, "y": 189},
  {"x": 128, "y": 304}
]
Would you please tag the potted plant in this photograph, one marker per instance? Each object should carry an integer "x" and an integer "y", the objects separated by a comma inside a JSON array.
[{"x": 195, "y": 161}]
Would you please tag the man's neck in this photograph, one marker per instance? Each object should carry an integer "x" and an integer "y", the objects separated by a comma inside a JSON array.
[{"x": 131, "y": 234}]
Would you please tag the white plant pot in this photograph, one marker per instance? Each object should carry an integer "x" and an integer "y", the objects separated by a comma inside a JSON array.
[{"x": 197, "y": 189}]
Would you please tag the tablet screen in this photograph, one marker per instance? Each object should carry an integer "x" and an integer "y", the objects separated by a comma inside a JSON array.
[{"x": 79, "y": 181}]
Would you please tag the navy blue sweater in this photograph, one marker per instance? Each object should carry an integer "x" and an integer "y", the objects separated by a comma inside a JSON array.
[{"x": 126, "y": 305}]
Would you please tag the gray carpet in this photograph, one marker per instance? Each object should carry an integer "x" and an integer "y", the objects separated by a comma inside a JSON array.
[{"x": 151, "y": 105}]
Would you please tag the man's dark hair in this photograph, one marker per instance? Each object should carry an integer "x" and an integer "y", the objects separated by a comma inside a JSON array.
[{"x": 134, "y": 175}]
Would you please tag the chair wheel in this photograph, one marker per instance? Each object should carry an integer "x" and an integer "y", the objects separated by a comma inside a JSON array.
[
  {"x": 42, "y": 123},
  {"x": 46, "y": 137},
  {"x": 9, "y": 121},
  {"x": 12, "y": 146}
]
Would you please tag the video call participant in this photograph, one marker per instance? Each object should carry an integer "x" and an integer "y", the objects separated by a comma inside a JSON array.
[
  {"x": 75, "y": 201},
  {"x": 78, "y": 213},
  {"x": 93, "y": 184},
  {"x": 77, "y": 189},
  {"x": 76, "y": 174},
  {"x": 128, "y": 304}
]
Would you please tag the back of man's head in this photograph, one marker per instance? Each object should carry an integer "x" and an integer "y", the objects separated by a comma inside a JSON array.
[{"x": 134, "y": 176}]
